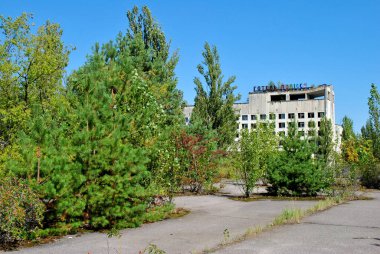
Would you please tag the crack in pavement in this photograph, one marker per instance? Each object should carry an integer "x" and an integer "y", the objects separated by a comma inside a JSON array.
[{"x": 339, "y": 225}]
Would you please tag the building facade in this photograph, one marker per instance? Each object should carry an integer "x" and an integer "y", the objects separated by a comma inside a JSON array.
[{"x": 284, "y": 104}]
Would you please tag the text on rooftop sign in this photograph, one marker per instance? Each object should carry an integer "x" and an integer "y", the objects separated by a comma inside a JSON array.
[{"x": 280, "y": 87}]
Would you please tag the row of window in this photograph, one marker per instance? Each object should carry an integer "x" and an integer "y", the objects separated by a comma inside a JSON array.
[
  {"x": 282, "y": 116},
  {"x": 311, "y": 124},
  {"x": 302, "y": 133}
]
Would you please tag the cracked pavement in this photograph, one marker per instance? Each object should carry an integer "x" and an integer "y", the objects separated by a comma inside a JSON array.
[
  {"x": 203, "y": 228},
  {"x": 353, "y": 227}
]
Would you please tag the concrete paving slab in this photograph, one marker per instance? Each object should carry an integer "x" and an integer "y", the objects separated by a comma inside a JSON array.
[
  {"x": 349, "y": 228},
  {"x": 202, "y": 228}
]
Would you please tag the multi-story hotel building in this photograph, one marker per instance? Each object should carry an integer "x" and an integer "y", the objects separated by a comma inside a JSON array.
[{"x": 284, "y": 104}]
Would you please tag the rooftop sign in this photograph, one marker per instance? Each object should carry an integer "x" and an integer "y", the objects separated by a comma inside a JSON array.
[{"x": 281, "y": 87}]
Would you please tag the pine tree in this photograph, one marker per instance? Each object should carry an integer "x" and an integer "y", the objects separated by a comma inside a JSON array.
[
  {"x": 294, "y": 171},
  {"x": 114, "y": 170}
]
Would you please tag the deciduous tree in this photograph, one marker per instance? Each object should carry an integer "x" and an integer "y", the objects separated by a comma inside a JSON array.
[{"x": 214, "y": 99}]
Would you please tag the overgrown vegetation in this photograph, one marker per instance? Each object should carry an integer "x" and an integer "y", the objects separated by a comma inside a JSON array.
[
  {"x": 297, "y": 170},
  {"x": 252, "y": 153},
  {"x": 107, "y": 149},
  {"x": 110, "y": 149},
  {"x": 21, "y": 212}
]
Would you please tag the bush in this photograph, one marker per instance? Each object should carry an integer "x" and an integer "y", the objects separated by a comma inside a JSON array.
[
  {"x": 296, "y": 171},
  {"x": 370, "y": 176},
  {"x": 289, "y": 177},
  {"x": 21, "y": 212}
]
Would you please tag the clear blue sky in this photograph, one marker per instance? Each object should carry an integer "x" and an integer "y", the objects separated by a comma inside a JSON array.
[{"x": 312, "y": 41}]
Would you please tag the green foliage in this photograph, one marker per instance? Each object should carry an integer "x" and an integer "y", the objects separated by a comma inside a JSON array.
[
  {"x": 370, "y": 175},
  {"x": 106, "y": 151},
  {"x": 253, "y": 153},
  {"x": 294, "y": 171},
  {"x": 31, "y": 71},
  {"x": 20, "y": 212},
  {"x": 373, "y": 130},
  {"x": 93, "y": 149},
  {"x": 214, "y": 100},
  {"x": 325, "y": 141},
  {"x": 348, "y": 129}
]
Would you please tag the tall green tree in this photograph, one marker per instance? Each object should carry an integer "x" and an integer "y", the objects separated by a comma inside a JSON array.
[
  {"x": 113, "y": 169},
  {"x": 374, "y": 119},
  {"x": 348, "y": 128},
  {"x": 252, "y": 154},
  {"x": 31, "y": 71},
  {"x": 214, "y": 99},
  {"x": 150, "y": 50},
  {"x": 326, "y": 141}
]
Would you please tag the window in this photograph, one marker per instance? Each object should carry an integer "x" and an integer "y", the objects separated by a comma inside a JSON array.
[
  {"x": 301, "y": 115},
  {"x": 253, "y": 126},
  {"x": 291, "y": 115},
  {"x": 319, "y": 124},
  {"x": 186, "y": 119},
  {"x": 281, "y": 97},
  {"x": 321, "y": 114},
  {"x": 281, "y": 125},
  {"x": 272, "y": 116},
  {"x": 310, "y": 115},
  {"x": 301, "y": 124},
  {"x": 311, "y": 124},
  {"x": 237, "y": 126},
  {"x": 244, "y": 126},
  {"x": 244, "y": 117},
  {"x": 297, "y": 97},
  {"x": 253, "y": 117},
  {"x": 281, "y": 116},
  {"x": 263, "y": 116}
]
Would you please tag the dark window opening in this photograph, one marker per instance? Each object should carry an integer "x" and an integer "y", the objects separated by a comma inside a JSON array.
[
  {"x": 321, "y": 114},
  {"x": 281, "y": 116},
  {"x": 281, "y": 97},
  {"x": 297, "y": 97},
  {"x": 253, "y": 117},
  {"x": 244, "y": 117}
]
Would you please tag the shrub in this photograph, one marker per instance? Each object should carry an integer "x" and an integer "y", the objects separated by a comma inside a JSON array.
[
  {"x": 21, "y": 212},
  {"x": 198, "y": 158},
  {"x": 370, "y": 176},
  {"x": 294, "y": 172}
]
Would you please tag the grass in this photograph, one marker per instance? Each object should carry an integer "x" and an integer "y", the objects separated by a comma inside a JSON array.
[{"x": 288, "y": 216}]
